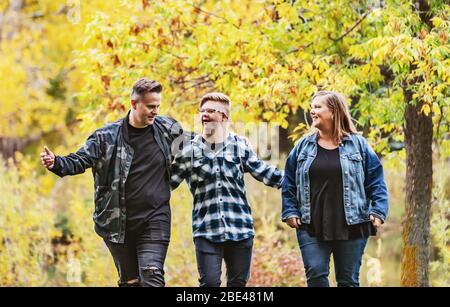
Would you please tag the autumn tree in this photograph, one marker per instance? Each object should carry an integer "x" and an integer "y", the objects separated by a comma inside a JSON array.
[
  {"x": 37, "y": 70},
  {"x": 389, "y": 57}
]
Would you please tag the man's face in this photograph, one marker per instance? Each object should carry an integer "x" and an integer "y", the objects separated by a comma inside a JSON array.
[
  {"x": 146, "y": 108},
  {"x": 212, "y": 112}
]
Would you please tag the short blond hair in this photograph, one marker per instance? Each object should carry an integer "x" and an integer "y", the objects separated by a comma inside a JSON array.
[{"x": 216, "y": 96}]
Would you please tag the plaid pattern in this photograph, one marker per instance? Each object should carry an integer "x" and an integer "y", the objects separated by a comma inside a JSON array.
[{"x": 216, "y": 180}]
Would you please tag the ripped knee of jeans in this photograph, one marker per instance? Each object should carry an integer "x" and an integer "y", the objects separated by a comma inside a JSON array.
[
  {"x": 153, "y": 270},
  {"x": 130, "y": 283},
  {"x": 153, "y": 276}
]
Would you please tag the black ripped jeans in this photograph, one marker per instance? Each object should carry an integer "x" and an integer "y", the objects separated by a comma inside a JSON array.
[{"x": 140, "y": 260}]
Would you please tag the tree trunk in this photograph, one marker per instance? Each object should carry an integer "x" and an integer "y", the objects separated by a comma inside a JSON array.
[
  {"x": 416, "y": 224},
  {"x": 10, "y": 145},
  {"x": 10, "y": 16}
]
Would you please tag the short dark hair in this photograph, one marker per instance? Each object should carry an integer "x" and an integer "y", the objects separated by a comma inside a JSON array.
[{"x": 144, "y": 86}]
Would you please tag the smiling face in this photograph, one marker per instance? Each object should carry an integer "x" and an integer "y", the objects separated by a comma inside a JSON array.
[
  {"x": 321, "y": 115},
  {"x": 146, "y": 108},
  {"x": 212, "y": 112}
]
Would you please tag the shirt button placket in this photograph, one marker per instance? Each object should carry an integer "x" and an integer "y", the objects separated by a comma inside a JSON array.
[{"x": 216, "y": 169}]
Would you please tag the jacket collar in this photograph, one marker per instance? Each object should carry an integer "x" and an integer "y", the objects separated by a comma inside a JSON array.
[
  {"x": 197, "y": 141},
  {"x": 314, "y": 137},
  {"x": 125, "y": 122}
]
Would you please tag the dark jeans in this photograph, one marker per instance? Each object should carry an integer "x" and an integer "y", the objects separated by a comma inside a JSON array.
[
  {"x": 237, "y": 256},
  {"x": 141, "y": 258},
  {"x": 316, "y": 258}
]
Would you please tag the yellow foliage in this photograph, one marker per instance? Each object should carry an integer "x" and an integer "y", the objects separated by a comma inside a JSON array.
[
  {"x": 62, "y": 77},
  {"x": 27, "y": 221}
]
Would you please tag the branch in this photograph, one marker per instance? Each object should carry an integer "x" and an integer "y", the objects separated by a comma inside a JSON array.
[
  {"x": 200, "y": 83},
  {"x": 194, "y": 80},
  {"x": 424, "y": 11},
  {"x": 175, "y": 55},
  {"x": 298, "y": 49},
  {"x": 438, "y": 131},
  {"x": 214, "y": 15},
  {"x": 364, "y": 16},
  {"x": 10, "y": 145},
  {"x": 352, "y": 28},
  {"x": 387, "y": 73}
]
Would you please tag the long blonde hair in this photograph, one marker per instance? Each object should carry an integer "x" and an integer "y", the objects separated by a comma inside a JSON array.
[{"x": 342, "y": 120}]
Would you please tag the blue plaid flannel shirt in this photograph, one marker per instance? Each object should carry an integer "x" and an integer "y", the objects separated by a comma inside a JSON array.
[{"x": 216, "y": 180}]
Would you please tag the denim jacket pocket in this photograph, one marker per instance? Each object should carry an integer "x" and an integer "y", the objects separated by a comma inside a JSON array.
[
  {"x": 302, "y": 157},
  {"x": 358, "y": 195},
  {"x": 356, "y": 163}
]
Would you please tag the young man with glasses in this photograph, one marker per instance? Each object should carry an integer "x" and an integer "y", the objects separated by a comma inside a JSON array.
[{"x": 213, "y": 165}]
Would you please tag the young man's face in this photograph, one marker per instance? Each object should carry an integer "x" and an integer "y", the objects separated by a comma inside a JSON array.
[
  {"x": 146, "y": 108},
  {"x": 212, "y": 112}
]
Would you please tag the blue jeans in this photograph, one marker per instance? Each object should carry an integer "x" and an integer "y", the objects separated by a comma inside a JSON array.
[
  {"x": 316, "y": 254},
  {"x": 237, "y": 256}
]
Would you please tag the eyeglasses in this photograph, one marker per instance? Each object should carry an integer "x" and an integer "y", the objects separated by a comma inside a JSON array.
[{"x": 210, "y": 111}]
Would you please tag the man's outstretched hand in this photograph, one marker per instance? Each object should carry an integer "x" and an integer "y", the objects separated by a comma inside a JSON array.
[{"x": 47, "y": 158}]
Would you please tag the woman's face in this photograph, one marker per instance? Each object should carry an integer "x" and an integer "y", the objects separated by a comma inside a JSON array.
[{"x": 321, "y": 115}]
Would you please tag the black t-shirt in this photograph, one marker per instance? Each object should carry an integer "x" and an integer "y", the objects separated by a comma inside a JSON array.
[
  {"x": 327, "y": 203},
  {"x": 147, "y": 189}
]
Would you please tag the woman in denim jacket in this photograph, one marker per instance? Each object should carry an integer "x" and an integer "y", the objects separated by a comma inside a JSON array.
[{"x": 334, "y": 193}]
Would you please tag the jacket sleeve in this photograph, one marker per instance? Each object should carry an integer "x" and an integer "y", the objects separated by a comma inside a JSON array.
[
  {"x": 181, "y": 166},
  {"x": 289, "y": 188},
  {"x": 174, "y": 135},
  {"x": 375, "y": 185},
  {"x": 179, "y": 172},
  {"x": 84, "y": 158}
]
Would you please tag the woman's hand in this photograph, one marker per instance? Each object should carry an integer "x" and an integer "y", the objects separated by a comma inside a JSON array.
[
  {"x": 293, "y": 222},
  {"x": 376, "y": 222}
]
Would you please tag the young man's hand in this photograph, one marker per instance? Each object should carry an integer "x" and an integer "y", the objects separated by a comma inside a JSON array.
[
  {"x": 47, "y": 158},
  {"x": 293, "y": 222}
]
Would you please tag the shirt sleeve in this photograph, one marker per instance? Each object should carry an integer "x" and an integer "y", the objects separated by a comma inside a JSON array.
[{"x": 268, "y": 174}]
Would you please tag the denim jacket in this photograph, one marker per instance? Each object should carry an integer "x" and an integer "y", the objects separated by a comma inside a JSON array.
[{"x": 365, "y": 191}]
